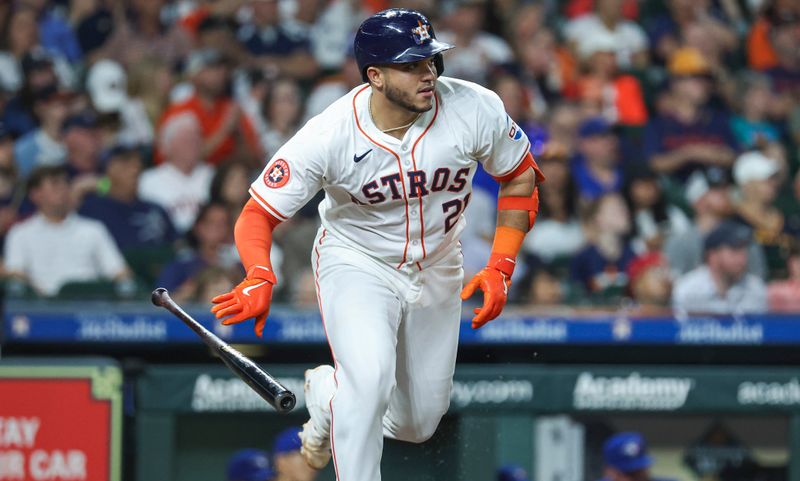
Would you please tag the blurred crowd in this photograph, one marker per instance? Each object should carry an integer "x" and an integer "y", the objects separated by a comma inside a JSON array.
[{"x": 669, "y": 133}]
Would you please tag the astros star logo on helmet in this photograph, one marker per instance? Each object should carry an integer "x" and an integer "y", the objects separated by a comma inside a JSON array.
[{"x": 421, "y": 33}]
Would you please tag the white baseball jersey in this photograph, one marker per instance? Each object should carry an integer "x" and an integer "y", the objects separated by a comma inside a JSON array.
[{"x": 397, "y": 200}]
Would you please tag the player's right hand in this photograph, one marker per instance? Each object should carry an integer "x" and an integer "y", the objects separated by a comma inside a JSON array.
[{"x": 251, "y": 298}]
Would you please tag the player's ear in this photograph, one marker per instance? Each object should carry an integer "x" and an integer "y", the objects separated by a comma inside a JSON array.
[{"x": 375, "y": 76}]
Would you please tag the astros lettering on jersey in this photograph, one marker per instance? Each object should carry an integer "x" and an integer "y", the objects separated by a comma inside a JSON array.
[{"x": 399, "y": 200}]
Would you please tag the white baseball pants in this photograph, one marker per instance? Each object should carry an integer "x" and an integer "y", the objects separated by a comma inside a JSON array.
[{"x": 393, "y": 334}]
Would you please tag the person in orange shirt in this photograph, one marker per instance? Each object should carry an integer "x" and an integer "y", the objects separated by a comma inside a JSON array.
[
  {"x": 603, "y": 90},
  {"x": 226, "y": 132}
]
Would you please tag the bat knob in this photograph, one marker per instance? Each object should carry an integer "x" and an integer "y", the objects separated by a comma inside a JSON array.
[
  {"x": 159, "y": 296},
  {"x": 285, "y": 402}
]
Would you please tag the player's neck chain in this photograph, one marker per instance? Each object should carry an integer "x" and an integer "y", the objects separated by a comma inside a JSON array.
[{"x": 372, "y": 116}]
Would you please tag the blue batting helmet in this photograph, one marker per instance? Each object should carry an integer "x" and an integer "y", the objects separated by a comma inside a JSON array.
[{"x": 397, "y": 35}]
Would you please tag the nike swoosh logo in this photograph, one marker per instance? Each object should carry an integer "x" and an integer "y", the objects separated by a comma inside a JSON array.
[
  {"x": 246, "y": 290},
  {"x": 357, "y": 158}
]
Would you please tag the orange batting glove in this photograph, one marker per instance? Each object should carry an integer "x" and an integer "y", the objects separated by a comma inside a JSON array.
[
  {"x": 251, "y": 298},
  {"x": 494, "y": 280}
]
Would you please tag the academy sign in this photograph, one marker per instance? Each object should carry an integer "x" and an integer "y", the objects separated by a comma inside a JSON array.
[{"x": 633, "y": 392}]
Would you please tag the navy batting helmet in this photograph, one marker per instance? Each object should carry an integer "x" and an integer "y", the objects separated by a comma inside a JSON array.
[{"x": 397, "y": 35}]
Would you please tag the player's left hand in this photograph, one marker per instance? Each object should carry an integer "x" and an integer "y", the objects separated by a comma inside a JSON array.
[
  {"x": 494, "y": 285},
  {"x": 251, "y": 298}
]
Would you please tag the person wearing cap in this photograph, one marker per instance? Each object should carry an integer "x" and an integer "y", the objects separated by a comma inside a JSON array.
[
  {"x": 626, "y": 458},
  {"x": 250, "y": 465},
  {"x": 274, "y": 45},
  {"x": 759, "y": 178},
  {"x": 132, "y": 222},
  {"x": 56, "y": 246},
  {"x": 289, "y": 463},
  {"x": 708, "y": 194},
  {"x": 722, "y": 285},
  {"x": 603, "y": 89},
  {"x": 689, "y": 135},
  {"x": 630, "y": 41},
  {"x": 596, "y": 168},
  {"x": 44, "y": 145},
  {"x": 107, "y": 86},
  {"x": 649, "y": 283},
  {"x": 225, "y": 131},
  {"x": 512, "y": 472}
]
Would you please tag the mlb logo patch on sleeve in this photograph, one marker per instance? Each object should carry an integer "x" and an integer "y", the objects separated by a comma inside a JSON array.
[
  {"x": 514, "y": 133},
  {"x": 278, "y": 175}
]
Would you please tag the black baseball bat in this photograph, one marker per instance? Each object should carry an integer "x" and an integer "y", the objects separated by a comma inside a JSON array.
[{"x": 272, "y": 391}]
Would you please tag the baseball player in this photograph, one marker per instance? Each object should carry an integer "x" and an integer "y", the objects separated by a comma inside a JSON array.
[{"x": 396, "y": 158}]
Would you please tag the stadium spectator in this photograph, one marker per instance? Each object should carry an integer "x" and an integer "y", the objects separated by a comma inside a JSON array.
[
  {"x": 542, "y": 286},
  {"x": 669, "y": 31},
  {"x": 328, "y": 26},
  {"x": 650, "y": 283},
  {"x": 43, "y": 145},
  {"x": 558, "y": 233},
  {"x": 600, "y": 267},
  {"x": 230, "y": 186},
  {"x": 274, "y": 46},
  {"x": 626, "y": 458},
  {"x": 761, "y": 54},
  {"x": 211, "y": 281},
  {"x": 55, "y": 32},
  {"x": 654, "y": 219},
  {"x": 150, "y": 82},
  {"x": 249, "y": 465},
  {"x": 225, "y": 131},
  {"x": 752, "y": 126},
  {"x": 132, "y": 222},
  {"x": 107, "y": 86},
  {"x": 785, "y": 75},
  {"x": 57, "y": 246},
  {"x": 759, "y": 178},
  {"x": 81, "y": 138},
  {"x": 784, "y": 295},
  {"x": 21, "y": 38},
  {"x": 709, "y": 196},
  {"x": 139, "y": 30},
  {"x": 512, "y": 472},
  {"x": 689, "y": 136},
  {"x": 548, "y": 70},
  {"x": 477, "y": 52},
  {"x": 180, "y": 184},
  {"x": 563, "y": 123},
  {"x": 211, "y": 246},
  {"x": 603, "y": 91},
  {"x": 330, "y": 88},
  {"x": 18, "y": 114},
  {"x": 629, "y": 41},
  {"x": 722, "y": 285},
  {"x": 289, "y": 463},
  {"x": 11, "y": 192},
  {"x": 284, "y": 109},
  {"x": 218, "y": 32},
  {"x": 597, "y": 167}
]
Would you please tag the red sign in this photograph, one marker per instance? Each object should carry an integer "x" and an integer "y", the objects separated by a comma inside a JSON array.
[{"x": 54, "y": 430}]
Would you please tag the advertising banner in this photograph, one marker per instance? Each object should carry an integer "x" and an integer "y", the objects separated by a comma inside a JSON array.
[{"x": 59, "y": 422}]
